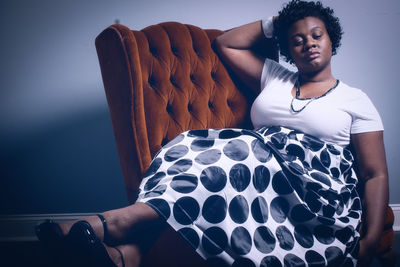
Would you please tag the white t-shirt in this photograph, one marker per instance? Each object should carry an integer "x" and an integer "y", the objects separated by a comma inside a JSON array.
[{"x": 332, "y": 118}]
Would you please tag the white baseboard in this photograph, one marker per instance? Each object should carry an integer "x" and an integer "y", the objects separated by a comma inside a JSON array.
[
  {"x": 15, "y": 228},
  {"x": 396, "y": 212}
]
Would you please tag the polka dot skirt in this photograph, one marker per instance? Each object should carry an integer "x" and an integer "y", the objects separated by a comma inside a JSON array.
[{"x": 271, "y": 197}]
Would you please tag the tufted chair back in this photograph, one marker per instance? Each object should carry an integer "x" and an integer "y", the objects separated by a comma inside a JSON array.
[
  {"x": 166, "y": 79},
  {"x": 161, "y": 81}
]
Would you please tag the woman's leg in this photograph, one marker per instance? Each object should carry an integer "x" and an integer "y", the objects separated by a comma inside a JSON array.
[{"x": 123, "y": 225}]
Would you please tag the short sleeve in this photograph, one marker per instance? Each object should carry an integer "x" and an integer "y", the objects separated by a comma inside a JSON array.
[
  {"x": 365, "y": 117},
  {"x": 273, "y": 70}
]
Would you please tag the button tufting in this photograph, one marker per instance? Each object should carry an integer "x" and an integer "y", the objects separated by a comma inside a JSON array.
[
  {"x": 210, "y": 105},
  {"x": 153, "y": 51},
  {"x": 174, "y": 51},
  {"x": 172, "y": 80},
  {"x": 192, "y": 77},
  {"x": 190, "y": 107},
  {"x": 169, "y": 109},
  {"x": 151, "y": 80}
]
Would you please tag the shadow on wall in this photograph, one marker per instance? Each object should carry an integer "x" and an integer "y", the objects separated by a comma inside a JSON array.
[{"x": 71, "y": 167}]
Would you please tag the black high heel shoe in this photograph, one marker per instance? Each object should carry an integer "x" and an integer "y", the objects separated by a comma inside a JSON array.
[
  {"x": 89, "y": 248},
  {"x": 54, "y": 241}
]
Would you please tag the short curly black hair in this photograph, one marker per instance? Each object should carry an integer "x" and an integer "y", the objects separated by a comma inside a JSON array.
[{"x": 296, "y": 10}]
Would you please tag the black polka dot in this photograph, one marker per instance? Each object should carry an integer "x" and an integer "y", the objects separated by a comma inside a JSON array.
[
  {"x": 176, "y": 152},
  {"x": 156, "y": 192},
  {"x": 325, "y": 158},
  {"x": 328, "y": 211},
  {"x": 317, "y": 165},
  {"x": 236, "y": 150},
  {"x": 213, "y": 178},
  {"x": 191, "y": 236},
  {"x": 344, "y": 166},
  {"x": 239, "y": 209},
  {"x": 186, "y": 210},
  {"x": 326, "y": 220},
  {"x": 198, "y": 133},
  {"x": 356, "y": 204},
  {"x": 333, "y": 150},
  {"x": 279, "y": 140},
  {"x": 184, "y": 183},
  {"x": 227, "y": 134},
  {"x": 239, "y": 177},
  {"x": 208, "y": 157},
  {"x": 303, "y": 236},
  {"x": 264, "y": 240},
  {"x": 285, "y": 238},
  {"x": 296, "y": 168},
  {"x": 243, "y": 262},
  {"x": 335, "y": 173},
  {"x": 344, "y": 234},
  {"x": 153, "y": 181},
  {"x": 300, "y": 213},
  {"x": 324, "y": 234},
  {"x": 313, "y": 201},
  {"x": 340, "y": 208},
  {"x": 180, "y": 166},
  {"x": 270, "y": 261},
  {"x": 272, "y": 130},
  {"x": 261, "y": 151},
  {"x": 347, "y": 155},
  {"x": 241, "y": 241},
  {"x": 313, "y": 258},
  {"x": 280, "y": 184},
  {"x": 323, "y": 178},
  {"x": 279, "y": 209},
  {"x": 214, "y": 209},
  {"x": 201, "y": 144},
  {"x": 312, "y": 143},
  {"x": 261, "y": 178},
  {"x": 214, "y": 240},
  {"x": 293, "y": 260},
  {"x": 154, "y": 166},
  {"x": 334, "y": 256},
  {"x": 174, "y": 141},
  {"x": 259, "y": 209},
  {"x": 345, "y": 194},
  {"x": 161, "y": 206},
  {"x": 295, "y": 150},
  {"x": 344, "y": 219}
]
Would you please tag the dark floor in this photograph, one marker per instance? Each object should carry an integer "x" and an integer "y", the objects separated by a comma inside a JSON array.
[{"x": 18, "y": 254}]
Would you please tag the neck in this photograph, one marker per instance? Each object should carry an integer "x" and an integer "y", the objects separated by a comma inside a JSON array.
[{"x": 318, "y": 76}]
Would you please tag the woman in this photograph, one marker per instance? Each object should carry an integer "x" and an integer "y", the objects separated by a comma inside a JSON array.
[{"x": 278, "y": 195}]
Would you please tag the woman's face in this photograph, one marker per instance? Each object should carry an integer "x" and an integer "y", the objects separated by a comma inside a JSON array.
[{"x": 310, "y": 45}]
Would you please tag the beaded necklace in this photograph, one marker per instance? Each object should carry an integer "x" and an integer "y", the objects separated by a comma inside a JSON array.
[{"x": 310, "y": 99}]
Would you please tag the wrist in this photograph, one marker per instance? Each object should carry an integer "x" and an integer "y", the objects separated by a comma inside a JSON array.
[{"x": 268, "y": 27}]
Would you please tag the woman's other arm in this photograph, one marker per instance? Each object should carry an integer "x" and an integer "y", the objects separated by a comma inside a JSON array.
[
  {"x": 235, "y": 49},
  {"x": 371, "y": 162}
]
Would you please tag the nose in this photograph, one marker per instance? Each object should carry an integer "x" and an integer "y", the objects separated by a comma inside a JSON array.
[{"x": 310, "y": 43}]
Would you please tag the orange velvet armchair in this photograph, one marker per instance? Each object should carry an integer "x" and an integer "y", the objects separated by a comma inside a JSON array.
[{"x": 161, "y": 81}]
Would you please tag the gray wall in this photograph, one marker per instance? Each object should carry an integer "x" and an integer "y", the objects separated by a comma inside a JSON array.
[{"x": 57, "y": 148}]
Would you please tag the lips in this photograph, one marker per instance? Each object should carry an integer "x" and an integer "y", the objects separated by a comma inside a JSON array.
[{"x": 311, "y": 55}]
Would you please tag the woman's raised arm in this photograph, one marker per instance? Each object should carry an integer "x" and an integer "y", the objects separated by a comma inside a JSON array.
[{"x": 235, "y": 48}]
